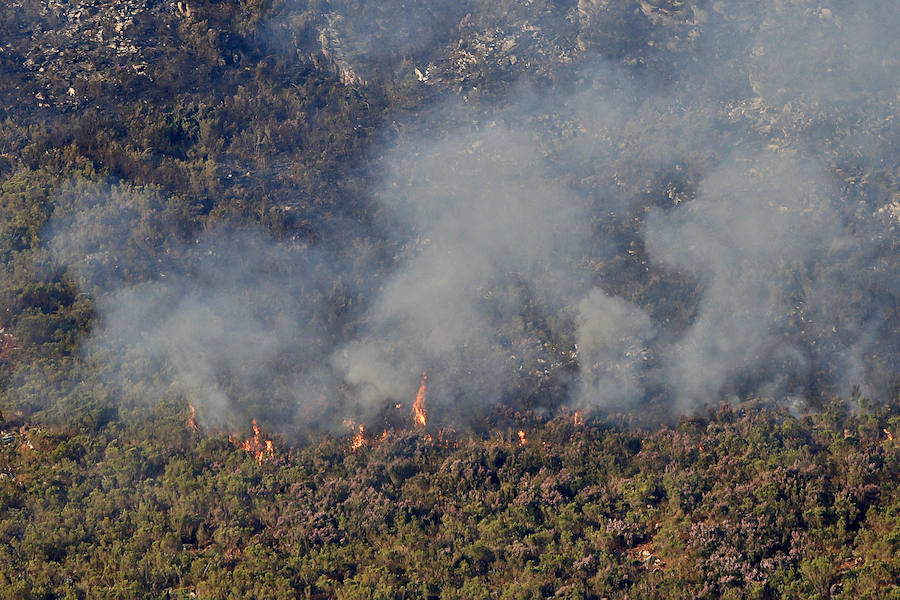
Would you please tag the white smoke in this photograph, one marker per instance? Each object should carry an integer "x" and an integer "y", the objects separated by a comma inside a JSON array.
[{"x": 538, "y": 238}]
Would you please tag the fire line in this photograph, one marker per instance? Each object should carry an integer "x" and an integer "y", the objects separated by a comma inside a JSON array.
[{"x": 419, "y": 404}]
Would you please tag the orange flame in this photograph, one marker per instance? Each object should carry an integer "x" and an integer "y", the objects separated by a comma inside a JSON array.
[
  {"x": 522, "y": 439},
  {"x": 419, "y": 404},
  {"x": 889, "y": 435},
  {"x": 259, "y": 448},
  {"x": 359, "y": 439},
  {"x": 192, "y": 422},
  {"x": 579, "y": 420}
]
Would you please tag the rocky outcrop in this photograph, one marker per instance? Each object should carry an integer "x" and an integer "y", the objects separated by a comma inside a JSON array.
[{"x": 70, "y": 48}]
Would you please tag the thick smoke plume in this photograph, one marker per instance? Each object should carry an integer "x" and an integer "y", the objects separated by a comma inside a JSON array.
[
  {"x": 624, "y": 240},
  {"x": 488, "y": 231},
  {"x": 613, "y": 338},
  {"x": 232, "y": 321},
  {"x": 756, "y": 225}
]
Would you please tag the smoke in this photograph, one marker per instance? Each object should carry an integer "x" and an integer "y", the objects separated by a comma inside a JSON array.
[
  {"x": 225, "y": 327},
  {"x": 826, "y": 56},
  {"x": 612, "y": 342},
  {"x": 611, "y": 243},
  {"x": 756, "y": 224},
  {"x": 361, "y": 41},
  {"x": 376, "y": 31},
  {"x": 488, "y": 232},
  {"x": 233, "y": 321}
]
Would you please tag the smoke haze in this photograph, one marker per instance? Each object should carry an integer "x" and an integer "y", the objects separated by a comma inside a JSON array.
[{"x": 615, "y": 242}]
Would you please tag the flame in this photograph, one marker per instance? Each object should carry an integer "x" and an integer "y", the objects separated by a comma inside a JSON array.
[
  {"x": 260, "y": 449},
  {"x": 522, "y": 439},
  {"x": 579, "y": 420},
  {"x": 359, "y": 439},
  {"x": 889, "y": 435},
  {"x": 192, "y": 422},
  {"x": 419, "y": 404}
]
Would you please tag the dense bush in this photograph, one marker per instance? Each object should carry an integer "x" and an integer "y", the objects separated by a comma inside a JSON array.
[{"x": 747, "y": 503}]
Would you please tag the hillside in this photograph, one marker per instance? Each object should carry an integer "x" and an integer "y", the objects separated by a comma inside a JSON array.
[
  {"x": 747, "y": 503},
  {"x": 675, "y": 219}
]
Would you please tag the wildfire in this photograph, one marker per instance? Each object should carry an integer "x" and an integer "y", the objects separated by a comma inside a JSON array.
[
  {"x": 579, "y": 420},
  {"x": 419, "y": 404},
  {"x": 192, "y": 422},
  {"x": 359, "y": 439},
  {"x": 889, "y": 435},
  {"x": 256, "y": 446},
  {"x": 522, "y": 439}
]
